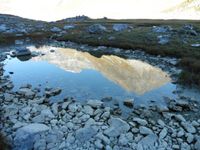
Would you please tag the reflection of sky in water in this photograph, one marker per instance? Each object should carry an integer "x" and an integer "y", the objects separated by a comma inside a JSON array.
[{"x": 86, "y": 84}]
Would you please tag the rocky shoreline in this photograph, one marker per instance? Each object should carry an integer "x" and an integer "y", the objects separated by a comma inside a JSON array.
[{"x": 30, "y": 121}]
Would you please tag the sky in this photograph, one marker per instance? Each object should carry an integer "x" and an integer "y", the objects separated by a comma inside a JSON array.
[{"x": 51, "y": 10}]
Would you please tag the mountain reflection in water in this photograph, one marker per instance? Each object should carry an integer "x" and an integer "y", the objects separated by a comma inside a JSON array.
[{"x": 132, "y": 75}]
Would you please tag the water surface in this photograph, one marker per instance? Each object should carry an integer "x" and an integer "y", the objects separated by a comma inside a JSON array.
[{"x": 84, "y": 76}]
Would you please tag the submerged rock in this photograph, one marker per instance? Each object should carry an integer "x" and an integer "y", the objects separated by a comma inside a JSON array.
[
  {"x": 53, "y": 92},
  {"x": 129, "y": 102},
  {"x": 28, "y": 93}
]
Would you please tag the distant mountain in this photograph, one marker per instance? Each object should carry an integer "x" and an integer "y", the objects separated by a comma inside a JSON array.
[{"x": 186, "y": 5}]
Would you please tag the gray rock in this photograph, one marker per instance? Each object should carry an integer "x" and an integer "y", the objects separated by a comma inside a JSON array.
[
  {"x": 95, "y": 103},
  {"x": 3, "y": 28},
  {"x": 176, "y": 146},
  {"x": 51, "y": 138},
  {"x": 25, "y": 136},
  {"x": 111, "y": 38},
  {"x": 70, "y": 138},
  {"x": 67, "y": 27},
  {"x": 188, "y": 127},
  {"x": 163, "y": 39},
  {"x": 40, "y": 144},
  {"x": 65, "y": 104},
  {"x": 195, "y": 45},
  {"x": 162, "y": 108},
  {"x": 21, "y": 52},
  {"x": 70, "y": 125},
  {"x": 62, "y": 145},
  {"x": 19, "y": 42},
  {"x": 38, "y": 119},
  {"x": 106, "y": 115},
  {"x": 195, "y": 123},
  {"x": 120, "y": 27},
  {"x": 140, "y": 121},
  {"x": 197, "y": 144},
  {"x": 38, "y": 100},
  {"x": 88, "y": 110},
  {"x": 98, "y": 144},
  {"x": 85, "y": 134},
  {"x": 108, "y": 147},
  {"x": 52, "y": 50},
  {"x": 163, "y": 133},
  {"x": 188, "y": 27},
  {"x": 123, "y": 140},
  {"x": 181, "y": 133},
  {"x": 28, "y": 93},
  {"x": 55, "y": 29},
  {"x": 190, "y": 138},
  {"x": 55, "y": 108},
  {"x": 90, "y": 122},
  {"x": 96, "y": 29},
  {"x": 11, "y": 110},
  {"x": 185, "y": 146},
  {"x": 161, "y": 123},
  {"x": 161, "y": 29},
  {"x": 47, "y": 113},
  {"x": 145, "y": 130},
  {"x": 117, "y": 127},
  {"x": 104, "y": 138},
  {"x": 179, "y": 118},
  {"x": 73, "y": 107},
  {"x": 148, "y": 143}
]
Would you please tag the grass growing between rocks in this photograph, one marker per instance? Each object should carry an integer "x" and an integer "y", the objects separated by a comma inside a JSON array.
[
  {"x": 36, "y": 36},
  {"x": 142, "y": 37},
  {"x": 2, "y": 39}
]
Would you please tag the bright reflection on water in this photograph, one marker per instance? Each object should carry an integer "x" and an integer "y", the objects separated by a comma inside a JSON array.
[{"x": 84, "y": 76}]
